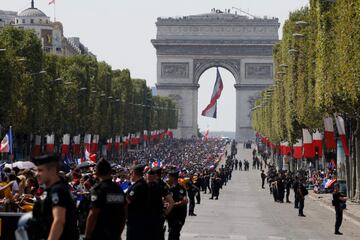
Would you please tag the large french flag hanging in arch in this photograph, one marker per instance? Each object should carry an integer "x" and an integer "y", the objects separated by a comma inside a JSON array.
[{"x": 210, "y": 110}]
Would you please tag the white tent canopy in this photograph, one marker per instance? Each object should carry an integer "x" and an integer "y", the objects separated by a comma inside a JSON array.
[{"x": 21, "y": 165}]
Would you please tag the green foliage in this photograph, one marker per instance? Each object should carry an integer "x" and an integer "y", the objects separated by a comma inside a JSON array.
[
  {"x": 45, "y": 93},
  {"x": 322, "y": 77}
]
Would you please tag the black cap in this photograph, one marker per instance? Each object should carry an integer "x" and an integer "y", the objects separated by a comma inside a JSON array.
[
  {"x": 139, "y": 168},
  {"x": 45, "y": 159},
  {"x": 174, "y": 173},
  {"x": 151, "y": 171},
  {"x": 103, "y": 167},
  {"x": 157, "y": 170}
]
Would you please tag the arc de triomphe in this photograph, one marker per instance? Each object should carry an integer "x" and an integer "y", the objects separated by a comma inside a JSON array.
[{"x": 186, "y": 47}]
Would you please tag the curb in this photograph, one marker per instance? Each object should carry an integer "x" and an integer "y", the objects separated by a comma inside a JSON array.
[{"x": 348, "y": 216}]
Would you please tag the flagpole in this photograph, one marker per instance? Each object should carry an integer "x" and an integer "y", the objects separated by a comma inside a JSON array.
[{"x": 54, "y": 11}]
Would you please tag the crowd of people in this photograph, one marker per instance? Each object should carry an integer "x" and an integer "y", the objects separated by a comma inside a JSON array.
[{"x": 143, "y": 190}]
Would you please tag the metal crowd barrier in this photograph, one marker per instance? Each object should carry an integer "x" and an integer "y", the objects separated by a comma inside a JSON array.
[{"x": 8, "y": 225}]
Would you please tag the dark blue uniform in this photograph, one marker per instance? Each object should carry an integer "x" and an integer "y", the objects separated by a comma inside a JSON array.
[
  {"x": 110, "y": 199},
  {"x": 58, "y": 195},
  {"x": 177, "y": 216},
  {"x": 138, "y": 211}
]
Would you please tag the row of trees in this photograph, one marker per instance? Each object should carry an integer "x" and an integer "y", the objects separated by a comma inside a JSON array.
[
  {"x": 43, "y": 93},
  {"x": 317, "y": 66}
]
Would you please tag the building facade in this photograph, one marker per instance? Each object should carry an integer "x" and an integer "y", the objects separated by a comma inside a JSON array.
[
  {"x": 50, "y": 33},
  {"x": 186, "y": 47}
]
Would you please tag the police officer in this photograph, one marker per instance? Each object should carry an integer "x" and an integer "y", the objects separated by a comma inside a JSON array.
[
  {"x": 138, "y": 205},
  {"x": 263, "y": 177},
  {"x": 159, "y": 196},
  {"x": 339, "y": 204},
  {"x": 106, "y": 219},
  {"x": 302, "y": 192},
  {"x": 177, "y": 216},
  {"x": 54, "y": 212}
]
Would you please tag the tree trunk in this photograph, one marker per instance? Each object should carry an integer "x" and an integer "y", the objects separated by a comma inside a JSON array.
[
  {"x": 348, "y": 176},
  {"x": 357, "y": 159}
]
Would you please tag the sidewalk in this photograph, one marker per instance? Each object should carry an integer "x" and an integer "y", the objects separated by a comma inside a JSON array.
[{"x": 351, "y": 213}]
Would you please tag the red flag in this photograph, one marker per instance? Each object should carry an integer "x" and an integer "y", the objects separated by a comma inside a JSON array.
[
  {"x": 329, "y": 134},
  {"x": 309, "y": 150},
  {"x": 298, "y": 149},
  {"x": 340, "y": 124},
  {"x": 318, "y": 143},
  {"x": 170, "y": 134}
]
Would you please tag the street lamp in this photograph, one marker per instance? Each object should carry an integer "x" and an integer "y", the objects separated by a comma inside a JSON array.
[
  {"x": 293, "y": 51},
  {"x": 38, "y": 73},
  {"x": 301, "y": 23},
  {"x": 298, "y": 35},
  {"x": 58, "y": 80}
]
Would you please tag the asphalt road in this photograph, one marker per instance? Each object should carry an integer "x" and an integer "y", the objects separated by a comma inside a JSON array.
[{"x": 245, "y": 211}]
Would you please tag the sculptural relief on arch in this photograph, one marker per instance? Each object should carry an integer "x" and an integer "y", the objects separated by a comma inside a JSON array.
[{"x": 186, "y": 47}]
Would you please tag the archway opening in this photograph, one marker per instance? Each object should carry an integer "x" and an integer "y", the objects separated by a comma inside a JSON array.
[{"x": 225, "y": 123}]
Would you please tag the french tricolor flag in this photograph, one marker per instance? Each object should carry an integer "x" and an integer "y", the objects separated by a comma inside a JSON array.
[
  {"x": 117, "y": 143},
  {"x": 76, "y": 147},
  {"x": 65, "y": 144},
  {"x": 95, "y": 143},
  {"x": 50, "y": 143},
  {"x": 37, "y": 146},
  {"x": 6, "y": 145},
  {"x": 87, "y": 142},
  {"x": 329, "y": 134},
  {"x": 298, "y": 149},
  {"x": 211, "y": 109},
  {"x": 309, "y": 150},
  {"x": 318, "y": 142},
  {"x": 340, "y": 124}
]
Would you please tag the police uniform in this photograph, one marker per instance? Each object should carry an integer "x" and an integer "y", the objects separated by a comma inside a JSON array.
[
  {"x": 138, "y": 211},
  {"x": 177, "y": 216},
  {"x": 57, "y": 195},
  {"x": 157, "y": 191},
  {"x": 110, "y": 199}
]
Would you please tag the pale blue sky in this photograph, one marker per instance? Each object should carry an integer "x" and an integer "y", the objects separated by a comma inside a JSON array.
[{"x": 119, "y": 32}]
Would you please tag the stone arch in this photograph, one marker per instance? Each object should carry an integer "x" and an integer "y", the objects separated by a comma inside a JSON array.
[
  {"x": 188, "y": 46},
  {"x": 201, "y": 65}
]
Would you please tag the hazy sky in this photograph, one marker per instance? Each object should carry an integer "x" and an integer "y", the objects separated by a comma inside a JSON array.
[{"x": 119, "y": 32}]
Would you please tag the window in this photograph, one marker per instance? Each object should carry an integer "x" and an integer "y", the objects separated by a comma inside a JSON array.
[
  {"x": 17, "y": 21},
  {"x": 23, "y": 21},
  {"x": 31, "y": 20},
  {"x": 40, "y": 20}
]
